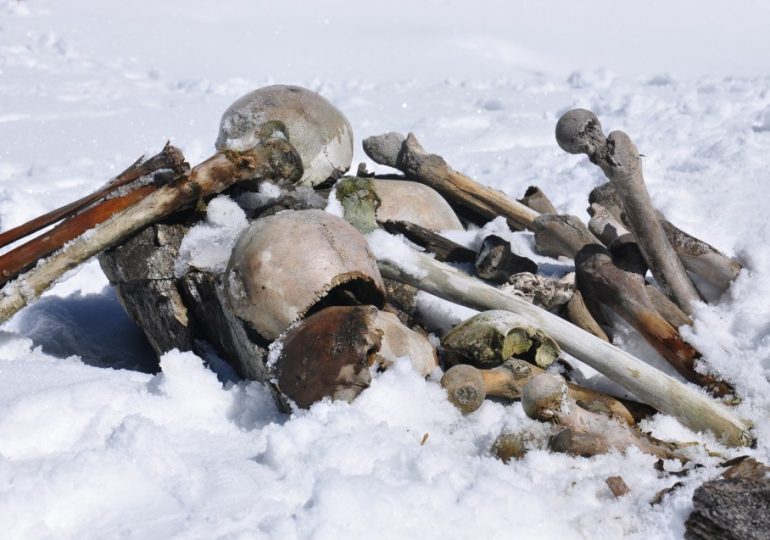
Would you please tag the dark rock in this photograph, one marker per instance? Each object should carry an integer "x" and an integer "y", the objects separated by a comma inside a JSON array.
[{"x": 733, "y": 507}]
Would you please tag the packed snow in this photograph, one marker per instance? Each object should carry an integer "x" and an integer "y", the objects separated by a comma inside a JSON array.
[{"x": 98, "y": 440}]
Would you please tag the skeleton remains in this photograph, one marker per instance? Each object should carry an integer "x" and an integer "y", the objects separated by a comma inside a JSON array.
[{"x": 313, "y": 305}]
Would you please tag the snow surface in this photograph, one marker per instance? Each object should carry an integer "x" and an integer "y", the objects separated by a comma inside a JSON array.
[{"x": 86, "y": 87}]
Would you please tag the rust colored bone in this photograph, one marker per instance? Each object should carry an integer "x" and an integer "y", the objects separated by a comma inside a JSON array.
[
  {"x": 625, "y": 294},
  {"x": 169, "y": 158},
  {"x": 26, "y": 255}
]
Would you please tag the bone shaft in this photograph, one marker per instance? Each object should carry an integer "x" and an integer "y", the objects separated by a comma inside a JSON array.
[
  {"x": 643, "y": 221},
  {"x": 212, "y": 176},
  {"x": 650, "y": 385}
]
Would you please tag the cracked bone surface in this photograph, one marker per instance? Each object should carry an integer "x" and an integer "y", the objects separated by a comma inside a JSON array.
[
  {"x": 284, "y": 265},
  {"x": 467, "y": 387},
  {"x": 546, "y": 397},
  {"x": 333, "y": 352},
  {"x": 492, "y": 337},
  {"x": 578, "y": 131},
  {"x": 317, "y": 129}
]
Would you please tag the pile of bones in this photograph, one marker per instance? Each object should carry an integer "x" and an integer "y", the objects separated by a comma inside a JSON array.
[{"x": 318, "y": 291}]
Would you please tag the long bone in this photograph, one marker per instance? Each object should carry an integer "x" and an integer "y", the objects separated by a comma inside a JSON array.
[
  {"x": 650, "y": 385},
  {"x": 578, "y": 131},
  {"x": 698, "y": 257},
  {"x": 272, "y": 158},
  {"x": 555, "y": 235},
  {"x": 546, "y": 397},
  {"x": 467, "y": 387}
]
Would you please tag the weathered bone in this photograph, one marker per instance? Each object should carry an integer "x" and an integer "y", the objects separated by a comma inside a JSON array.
[
  {"x": 579, "y": 131},
  {"x": 273, "y": 158},
  {"x": 169, "y": 158},
  {"x": 467, "y": 387},
  {"x": 546, "y": 398},
  {"x": 547, "y": 293},
  {"x": 696, "y": 255},
  {"x": 401, "y": 200},
  {"x": 492, "y": 337},
  {"x": 561, "y": 235},
  {"x": 576, "y": 311},
  {"x": 497, "y": 263},
  {"x": 432, "y": 170},
  {"x": 332, "y": 353},
  {"x": 624, "y": 292},
  {"x": 649, "y": 384},
  {"x": 445, "y": 249},
  {"x": 538, "y": 201}
]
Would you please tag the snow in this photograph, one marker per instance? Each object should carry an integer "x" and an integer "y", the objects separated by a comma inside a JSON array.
[{"x": 92, "y": 452}]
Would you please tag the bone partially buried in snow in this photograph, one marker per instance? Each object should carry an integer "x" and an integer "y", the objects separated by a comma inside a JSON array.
[
  {"x": 491, "y": 337},
  {"x": 332, "y": 353}
]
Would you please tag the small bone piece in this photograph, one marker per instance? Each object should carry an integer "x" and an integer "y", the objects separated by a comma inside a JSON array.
[
  {"x": 579, "y": 131},
  {"x": 467, "y": 387},
  {"x": 492, "y": 337},
  {"x": 546, "y": 398},
  {"x": 497, "y": 263},
  {"x": 547, "y": 293},
  {"x": 445, "y": 249},
  {"x": 561, "y": 235},
  {"x": 537, "y": 200},
  {"x": 617, "y": 485},
  {"x": 333, "y": 353}
]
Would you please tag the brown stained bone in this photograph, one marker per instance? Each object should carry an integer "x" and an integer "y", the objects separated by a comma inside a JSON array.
[
  {"x": 273, "y": 158},
  {"x": 576, "y": 311},
  {"x": 560, "y": 235},
  {"x": 579, "y": 131},
  {"x": 407, "y": 155},
  {"x": 23, "y": 257},
  {"x": 332, "y": 354},
  {"x": 585, "y": 433},
  {"x": 467, "y": 387},
  {"x": 696, "y": 255},
  {"x": 538, "y": 201},
  {"x": 445, "y": 249},
  {"x": 624, "y": 293},
  {"x": 497, "y": 263},
  {"x": 509, "y": 446},
  {"x": 492, "y": 337},
  {"x": 617, "y": 486},
  {"x": 168, "y": 158},
  {"x": 626, "y": 256}
]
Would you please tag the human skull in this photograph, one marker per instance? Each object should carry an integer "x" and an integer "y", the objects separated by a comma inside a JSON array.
[
  {"x": 284, "y": 265},
  {"x": 318, "y": 130}
]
